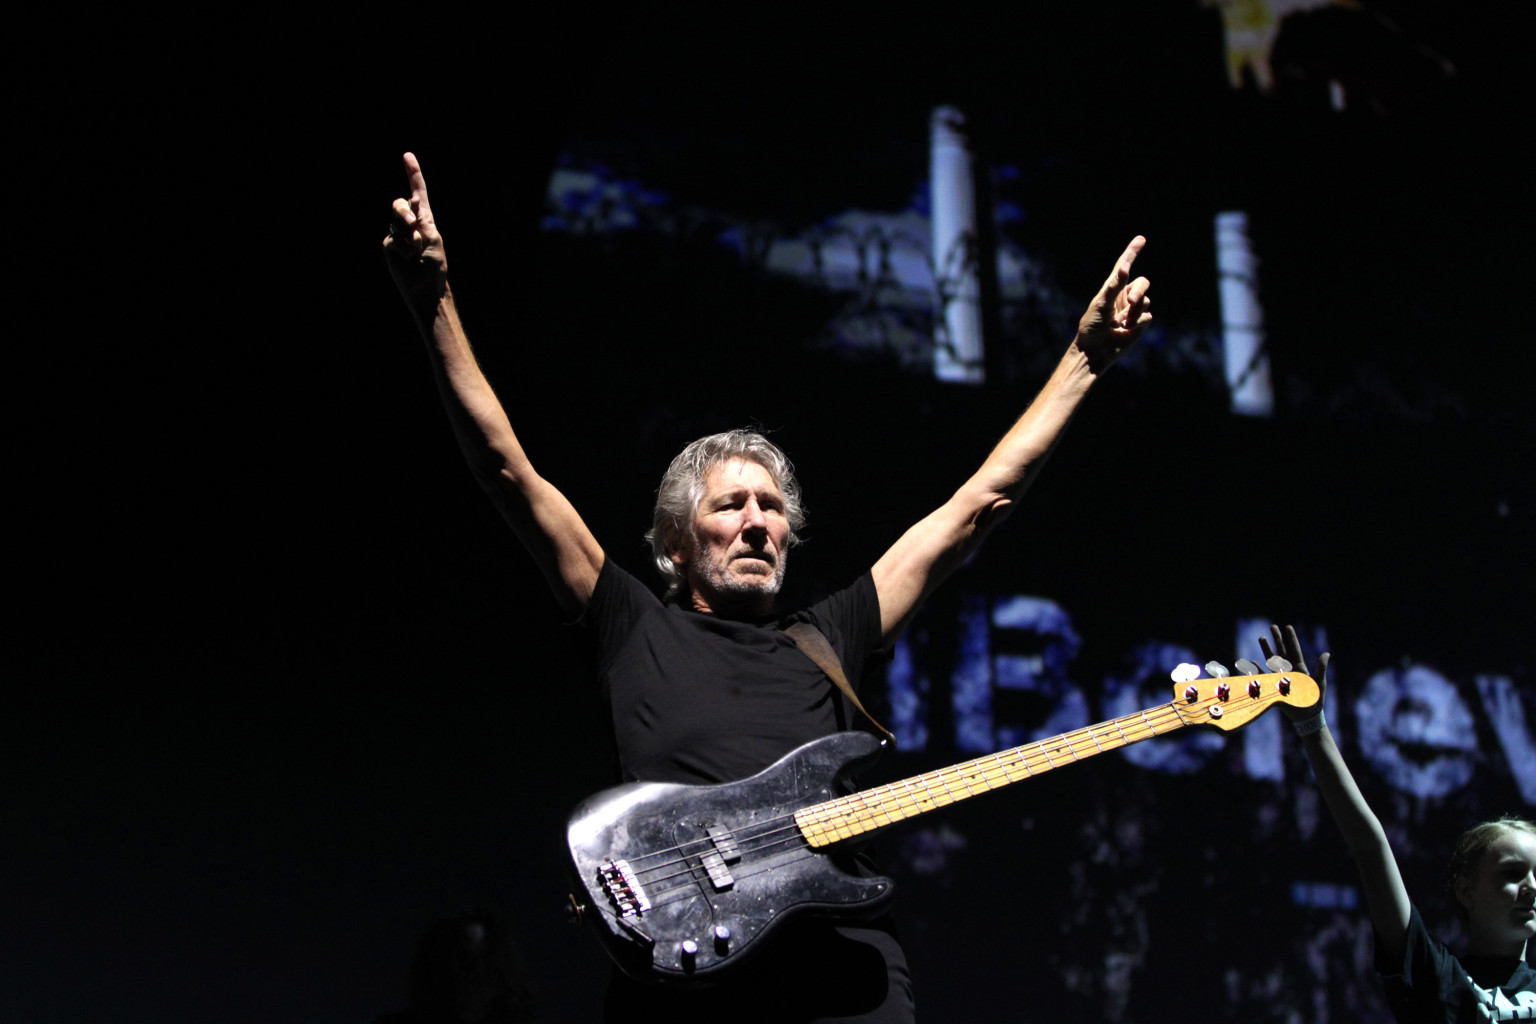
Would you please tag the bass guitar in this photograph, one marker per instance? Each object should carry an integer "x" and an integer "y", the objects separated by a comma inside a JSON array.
[{"x": 683, "y": 882}]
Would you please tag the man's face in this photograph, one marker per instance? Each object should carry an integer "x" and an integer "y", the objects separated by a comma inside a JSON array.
[{"x": 734, "y": 558}]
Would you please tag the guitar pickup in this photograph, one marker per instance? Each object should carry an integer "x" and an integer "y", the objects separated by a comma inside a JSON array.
[
  {"x": 623, "y": 888},
  {"x": 725, "y": 851},
  {"x": 725, "y": 843},
  {"x": 719, "y": 875}
]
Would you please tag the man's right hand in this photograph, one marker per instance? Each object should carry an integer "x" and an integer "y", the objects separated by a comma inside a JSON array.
[{"x": 414, "y": 248}]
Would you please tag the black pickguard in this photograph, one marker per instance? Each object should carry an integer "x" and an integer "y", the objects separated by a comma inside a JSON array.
[{"x": 702, "y": 858}]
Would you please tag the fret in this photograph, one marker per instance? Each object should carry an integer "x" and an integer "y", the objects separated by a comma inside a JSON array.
[
  {"x": 915, "y": 799},
  {"x": 998, "y": 758},
  {"x": 1095, "y": 740},
  {"x": 945, "y": 779}
]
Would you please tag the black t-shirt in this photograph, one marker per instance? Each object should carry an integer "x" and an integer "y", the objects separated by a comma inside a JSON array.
[
  {"x": 1432, "y": 986},
  {"x": 697, "y": 699}
]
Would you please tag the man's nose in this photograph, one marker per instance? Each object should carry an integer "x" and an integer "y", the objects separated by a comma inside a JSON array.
[{"x": 754, "y": 526}]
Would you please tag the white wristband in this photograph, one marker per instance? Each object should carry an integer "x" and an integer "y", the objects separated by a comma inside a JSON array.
[{"x": 1308, "y": 726}]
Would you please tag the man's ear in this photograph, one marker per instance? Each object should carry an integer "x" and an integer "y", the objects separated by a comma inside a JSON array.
[{"x": 678, "y": 547}]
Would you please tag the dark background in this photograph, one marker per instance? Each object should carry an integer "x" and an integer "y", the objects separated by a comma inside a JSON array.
[{"x": 289, "y": 692}]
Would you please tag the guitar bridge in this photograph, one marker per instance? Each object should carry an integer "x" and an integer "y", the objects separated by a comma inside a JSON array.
[{"x": 623, "y": 888}]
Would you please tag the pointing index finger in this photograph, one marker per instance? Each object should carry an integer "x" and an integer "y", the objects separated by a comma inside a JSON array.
[
  {"x": 1122, "y": 269},
  {"x": 418, "y": 181},
  {"x": 1123, "y": 265}
]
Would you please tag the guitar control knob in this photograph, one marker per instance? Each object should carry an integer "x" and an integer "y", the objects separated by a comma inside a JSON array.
[
  {"x": 722, "y": 939},
  {"x": 689, "y": 949}
]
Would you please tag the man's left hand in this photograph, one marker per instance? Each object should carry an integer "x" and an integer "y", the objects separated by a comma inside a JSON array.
[{"x": 1118, "y": 314}]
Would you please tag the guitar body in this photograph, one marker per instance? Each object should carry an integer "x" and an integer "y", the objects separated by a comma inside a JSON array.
[{"x": 685, "y": 881}]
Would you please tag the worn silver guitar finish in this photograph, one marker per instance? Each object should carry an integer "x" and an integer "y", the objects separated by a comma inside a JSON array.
[{"x": 684, "y": 880}]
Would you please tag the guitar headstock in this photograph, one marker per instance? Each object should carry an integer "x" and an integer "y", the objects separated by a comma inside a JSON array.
[{"x": 1228, "y": 701}]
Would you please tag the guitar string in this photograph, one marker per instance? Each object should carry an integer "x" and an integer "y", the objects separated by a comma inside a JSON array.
[
  {"x": 857, "y": 805},
  {"x": 1032, "y": 755}
]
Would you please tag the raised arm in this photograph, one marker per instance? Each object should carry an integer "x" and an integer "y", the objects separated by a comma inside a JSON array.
[
  {"x": 1385, "y": 895},
  {"x": 930, "y": 550},
  {"x": 546, "y": 523}
]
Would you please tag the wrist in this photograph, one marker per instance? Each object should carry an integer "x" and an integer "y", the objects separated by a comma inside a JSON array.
[
  {"x": 1311, "y": 725},
  {"x": 1091, "y": 356},
  {"x": 431, "y": 303},
  {"x": 1078, "y": 369}
]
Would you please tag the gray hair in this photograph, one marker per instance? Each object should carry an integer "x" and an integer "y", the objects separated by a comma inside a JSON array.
[{"x": 682, "y": 488}]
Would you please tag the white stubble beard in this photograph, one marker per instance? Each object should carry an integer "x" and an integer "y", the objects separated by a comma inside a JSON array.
[{"x": 722, "y": 581}]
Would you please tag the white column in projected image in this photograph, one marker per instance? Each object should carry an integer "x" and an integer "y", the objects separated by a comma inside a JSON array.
[
  {"x": 957, "y": 354},
  {"x": 1242, "y": 319}
]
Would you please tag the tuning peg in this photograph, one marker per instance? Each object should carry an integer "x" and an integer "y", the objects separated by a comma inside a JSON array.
[
  {"x": 1277, "y": 663},
  {"x": 1216, "y": 670},
  {"x": 1185, "y": 673},
  {"x": 1246, "y": 667}
]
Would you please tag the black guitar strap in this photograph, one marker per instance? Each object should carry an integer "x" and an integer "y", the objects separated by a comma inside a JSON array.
[{"x": 814, "y": 645}]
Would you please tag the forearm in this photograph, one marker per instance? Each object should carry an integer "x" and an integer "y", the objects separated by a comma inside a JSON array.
[
  {"x": 479, "y": 421},
  {"x": 1017, "y": 459},
  {"x": 928, "y": 552},
  {"x": 541, "y": 516},
  {"x": 1114, "y": 319},
  {"x": 1356, "y": 821},
  {"x": 1385, "y": 894}
]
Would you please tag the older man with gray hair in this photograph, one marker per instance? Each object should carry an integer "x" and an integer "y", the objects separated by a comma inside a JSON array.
[{"x": 703, "y": 685}]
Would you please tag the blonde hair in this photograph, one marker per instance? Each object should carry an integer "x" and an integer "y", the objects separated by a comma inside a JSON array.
[{"x": 1474, "y": 842}]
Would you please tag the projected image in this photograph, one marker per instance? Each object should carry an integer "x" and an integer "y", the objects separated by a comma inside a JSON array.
[{"x": 1040, "y": 357}]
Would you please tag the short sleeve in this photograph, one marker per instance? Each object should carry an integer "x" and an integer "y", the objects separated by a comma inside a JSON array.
[
  {"x": 1415, "y": 985},
  {"x": 850, "y": 620},
  {"x": 618, "y": 601}
]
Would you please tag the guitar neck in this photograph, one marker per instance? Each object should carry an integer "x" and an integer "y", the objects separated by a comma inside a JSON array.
[{"x": 872, "y": 809}]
